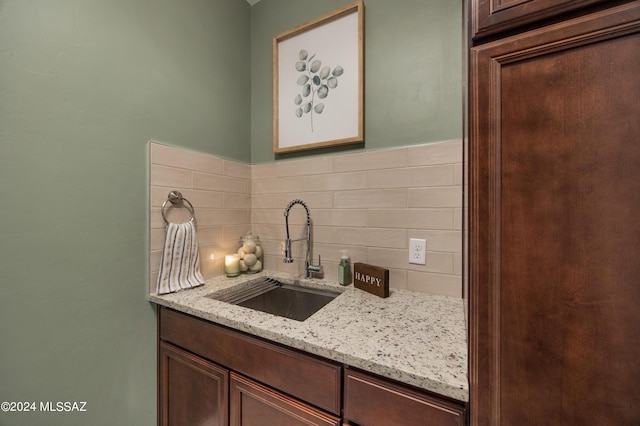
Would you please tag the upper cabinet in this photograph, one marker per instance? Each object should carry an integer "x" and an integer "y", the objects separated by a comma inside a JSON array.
[
  {"x": 493, "y": 16},
  {"x": 554, "y": 160}
]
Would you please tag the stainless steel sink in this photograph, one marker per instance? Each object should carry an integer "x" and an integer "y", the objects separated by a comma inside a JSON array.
[{"x": 274, "y": 297}]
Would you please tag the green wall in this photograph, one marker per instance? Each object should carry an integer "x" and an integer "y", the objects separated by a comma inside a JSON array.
[
  {"x": 413, "y": 70},
  {"x": 84, "y": 85}
]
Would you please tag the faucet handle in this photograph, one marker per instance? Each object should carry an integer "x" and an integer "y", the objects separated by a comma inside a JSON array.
[{"x": 315, "y": 268}]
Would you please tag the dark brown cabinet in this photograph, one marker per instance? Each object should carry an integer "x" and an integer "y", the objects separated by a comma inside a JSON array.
[
  {"x": 213, "y": 375},
  {"x": 554, "y": 232},
  {"x": 493, "y": 16},
  {"x": 253, "y": 404},
  {"x": 311, "y": 379},
  {"x": 369, "y": 400},
  {"x": 193, "y": 391}
]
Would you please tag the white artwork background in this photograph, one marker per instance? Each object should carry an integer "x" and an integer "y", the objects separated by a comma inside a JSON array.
[{"x": 335, "y": 43}]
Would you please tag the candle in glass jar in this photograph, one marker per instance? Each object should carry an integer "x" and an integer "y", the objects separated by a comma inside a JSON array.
[{"x": 232, "y": 265}]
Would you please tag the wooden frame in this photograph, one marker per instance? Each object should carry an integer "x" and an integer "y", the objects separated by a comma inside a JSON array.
[{"x": 318, "y": 83}]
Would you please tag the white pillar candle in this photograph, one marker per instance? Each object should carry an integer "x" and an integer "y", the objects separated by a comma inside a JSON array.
[{"x": 232, "y": 265}]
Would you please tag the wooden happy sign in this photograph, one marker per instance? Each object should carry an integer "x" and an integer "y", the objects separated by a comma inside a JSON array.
[{"x": 372, "y": 279}]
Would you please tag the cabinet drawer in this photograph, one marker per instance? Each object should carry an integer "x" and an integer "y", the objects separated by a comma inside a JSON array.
[
  {"x": 373, "y": 401},
  {"x": 255, "y": 404},
  {"x": 311, "y": 379}
]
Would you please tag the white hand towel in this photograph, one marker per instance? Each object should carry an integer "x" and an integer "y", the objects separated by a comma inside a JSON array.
[{"x": 180, "y": 268}]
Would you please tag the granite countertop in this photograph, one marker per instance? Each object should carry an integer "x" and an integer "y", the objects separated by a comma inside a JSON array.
[{"x": 415, "y": 338}]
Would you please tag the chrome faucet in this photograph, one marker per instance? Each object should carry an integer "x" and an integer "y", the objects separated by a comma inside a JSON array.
[{"x": 310, "y": 268}]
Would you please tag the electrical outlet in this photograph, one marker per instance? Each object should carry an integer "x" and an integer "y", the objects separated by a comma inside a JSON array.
[{"x": 417, "y": 251}]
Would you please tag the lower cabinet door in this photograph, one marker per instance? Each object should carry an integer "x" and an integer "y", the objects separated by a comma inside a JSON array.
[
  {"x": 253, "y": 404},
  {"x": 372, "y": 401},
  {"x": 193, "y": 391}
]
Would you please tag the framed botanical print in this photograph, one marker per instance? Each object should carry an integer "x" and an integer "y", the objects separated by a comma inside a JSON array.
[{"x": 318, "y": 82}]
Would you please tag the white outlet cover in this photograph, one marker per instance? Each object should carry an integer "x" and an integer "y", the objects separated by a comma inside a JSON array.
[{"x": 417, "y": 251}]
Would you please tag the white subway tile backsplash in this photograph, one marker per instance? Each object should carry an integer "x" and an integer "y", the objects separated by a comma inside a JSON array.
[
  {"x": 459, "y": 174},
  {"x": 263, "y": 216},
  {"x": 341, "y": 217},
  {"x": 367, "y": 237},
  {"x": 370, "y": 161},
  {"x": 156, "y": 239},
  {"x": 457, "y": 263},
  {"x": 369, "y": 203},
  {"x": 155, "y": 219},
  {"x": 233, "y": 169},
  {"x": 277, "y": 185},
  {"x": 209, "y": 234},
  {"x": 441, "y": 196},
  {"x": 267, "y": 231},
  {"x": 212, "y": 182},
  {"x": 209, "y": 217},
  {"x": 314, "y": 166},
  {"x": 447, "y": 285},
  {"x": 219, "y": 191},
  {"x": 335, "y": 182},
  {"x": 435, "y": 153},
  {"x": 264, "y": 171},
  {"x": 233, "y": 233},
  {"x": 184, "y": 159},
  {"x": 411, "y": 218},
  {"x": 372, "y": 198},
  {"x": 236, "y": 201},
  {"x": 170, "y": 176},
  {"x": 457, "y": 219},
  {"x": 412, "y": 177},
  {"x": 315, "y": 200},
  {"x": 203, "y": 199}
]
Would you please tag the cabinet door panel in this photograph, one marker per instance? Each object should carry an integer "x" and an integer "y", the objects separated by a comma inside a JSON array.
[
  {"x": 309, "y": 378},
  {"x": 253, "y": 404},
  {"x": 192, "y": 391},
  {"x": 371, "y": 401},
  {"x": 492, "y": 16},
  {"x": 555, "y": 234}
]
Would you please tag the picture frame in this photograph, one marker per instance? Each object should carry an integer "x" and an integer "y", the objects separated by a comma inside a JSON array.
[{"x": 318, "y": 82}]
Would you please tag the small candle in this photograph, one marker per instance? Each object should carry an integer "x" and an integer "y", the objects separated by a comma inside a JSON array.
[{"x": 232, "y": 265}]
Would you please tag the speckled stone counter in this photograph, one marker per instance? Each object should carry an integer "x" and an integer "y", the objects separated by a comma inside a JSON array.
[{"x": 415, "y": 338}]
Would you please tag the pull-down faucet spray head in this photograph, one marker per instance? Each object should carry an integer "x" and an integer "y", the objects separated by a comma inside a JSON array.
[
  {"x": 309, "y": 267},
  {"x": 287, "y": 251},
  {"x": 287, "y": 243}
]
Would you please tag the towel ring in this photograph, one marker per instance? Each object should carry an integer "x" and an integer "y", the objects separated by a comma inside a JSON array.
[{"x": 175, "y": 197}]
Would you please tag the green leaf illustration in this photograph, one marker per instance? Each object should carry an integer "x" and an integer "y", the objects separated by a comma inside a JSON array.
[
  {"x": 316, "y": 82},
  {"x": 323, "y": 92},
  {"x": 315, "y": 66}
]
